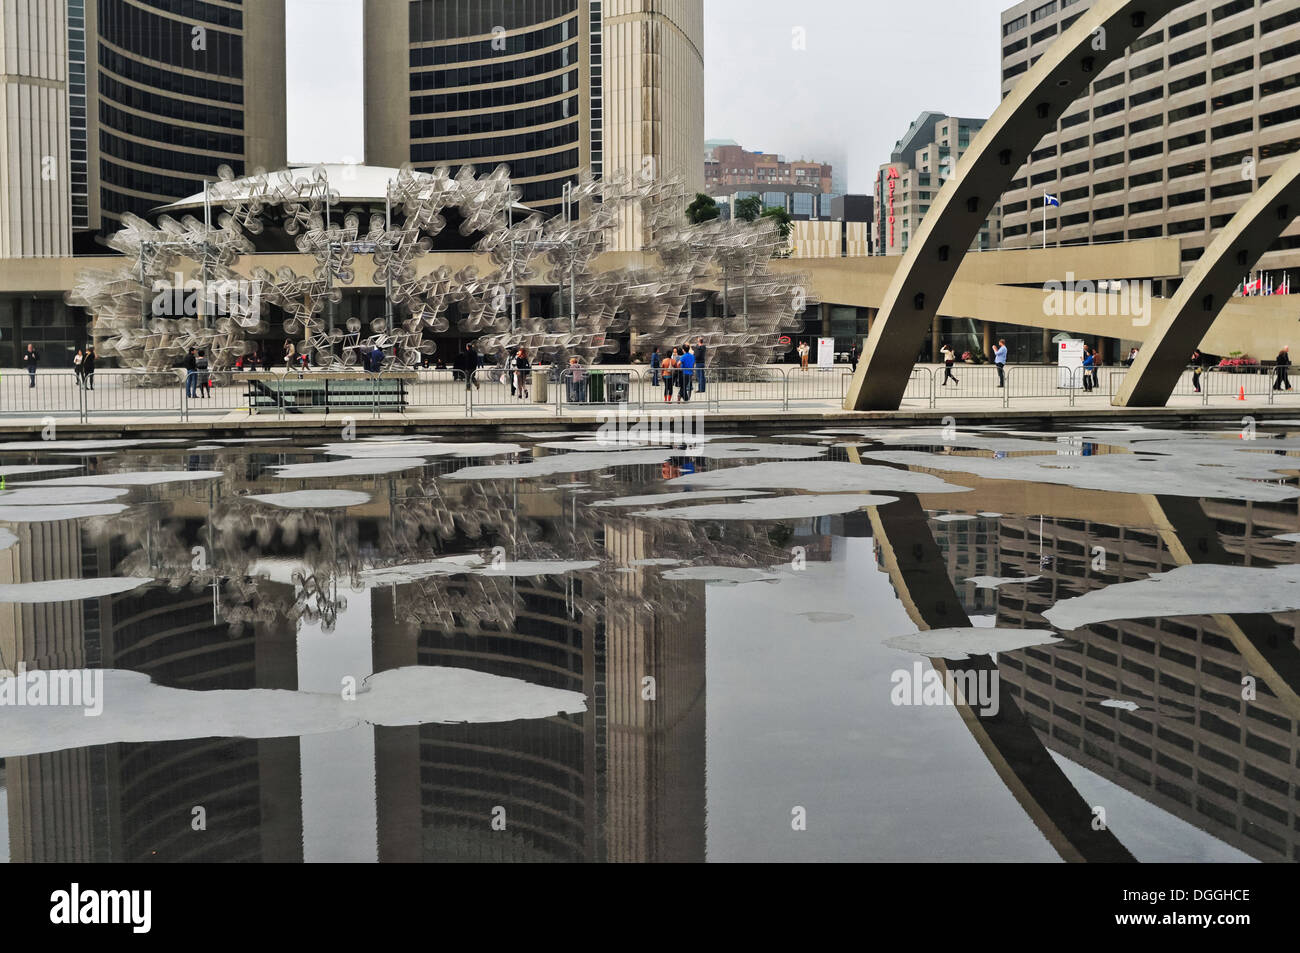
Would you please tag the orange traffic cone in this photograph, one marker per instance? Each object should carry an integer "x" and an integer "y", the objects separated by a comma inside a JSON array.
[{"x": 1241, "y": 394}]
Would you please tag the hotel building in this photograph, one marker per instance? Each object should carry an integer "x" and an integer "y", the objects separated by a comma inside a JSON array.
[{"x": 1172, "y": 138}]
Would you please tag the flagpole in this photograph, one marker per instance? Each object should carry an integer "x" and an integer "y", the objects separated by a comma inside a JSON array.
[{"x": 1044, "y": 221}]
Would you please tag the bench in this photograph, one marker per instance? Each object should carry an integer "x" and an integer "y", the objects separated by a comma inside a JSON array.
[{"x": 296, "y": 393}]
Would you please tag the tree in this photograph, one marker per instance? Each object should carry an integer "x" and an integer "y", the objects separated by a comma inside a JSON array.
[
  {"x": 782, "y": 219},
  {"x": 703, "y": 209},
  {"x": 749, "y": 209}
]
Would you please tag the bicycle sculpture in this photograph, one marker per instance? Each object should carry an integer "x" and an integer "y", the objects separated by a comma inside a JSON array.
[{"x": 182, "y": 286}]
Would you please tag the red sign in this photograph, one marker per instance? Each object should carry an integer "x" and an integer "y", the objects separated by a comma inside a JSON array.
[{"x": 892, "y": 176}]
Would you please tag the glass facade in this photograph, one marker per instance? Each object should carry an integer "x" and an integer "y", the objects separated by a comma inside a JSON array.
[
  {"x": 165, "y": 66},
  {"x": 55, "y": 328},
  {"x": 516, "y": 71}
]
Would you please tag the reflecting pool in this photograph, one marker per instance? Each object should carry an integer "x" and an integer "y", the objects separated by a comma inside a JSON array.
[{"x": 842, "y": 644}]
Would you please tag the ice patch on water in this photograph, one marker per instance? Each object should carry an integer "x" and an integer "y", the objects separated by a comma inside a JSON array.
[
  {"x": 827, "y": 618},
  {"x": 1122, "y": 705},
  {"x": 722, "y": 575},
  {"x": 21, "y": 445},
  {"x": 563, "y": 463},
  {"x": 993, "y": 582},
  {"x": 1288, "y": 538},
  {"x": 957, "y": 645},
  {"x": 68, "y": 590},
  {"x": 773, "y": 508},
  {"x": 55, "y": 496},
  {"x": 417, "y": 448},
  {"x": 821, "y": 477},
  {"x": 953, "y": 518},
  {"x": 539, "y": 567},
  {"x": 656, "y": 562},
  {"x": 37, "y": 468},
  {"x": 313, "y": 499},
  {"x": 360, "y": 466},
  {"x": 134, "y": 709},
  {"x": 52, "y": 514},
  {"x": 1120, "y": 473},
  {"x": 654, "y": 498},
  {"x": 132, "y": 478},
  {"x": 1202, "y": 589},
  {"x": 412, "y": 572}
]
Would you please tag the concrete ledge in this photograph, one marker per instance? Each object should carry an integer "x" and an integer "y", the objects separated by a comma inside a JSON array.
[{"x": 494, "y": 425}]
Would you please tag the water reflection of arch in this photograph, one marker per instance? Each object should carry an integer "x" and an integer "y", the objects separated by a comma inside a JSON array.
[
  {"x": 918, "y": 573},
  {"x": 1192, "y": 749}
]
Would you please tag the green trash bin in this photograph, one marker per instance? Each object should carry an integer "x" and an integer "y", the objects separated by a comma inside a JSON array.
[{"x": 596, "y": 387}]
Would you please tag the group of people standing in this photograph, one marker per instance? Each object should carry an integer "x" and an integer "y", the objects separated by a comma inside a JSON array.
[
  {"x": 198, "y": 376},
  {"x": 680, "y": 370},
  {"x": 83, "y": 366}
]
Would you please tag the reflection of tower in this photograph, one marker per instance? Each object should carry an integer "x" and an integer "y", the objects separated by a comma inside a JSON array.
[
  {"x": 652, "y": 782},
  {"x": 1203, "y": 754},
  {"x": 247, "y": 788},
  {"x": 969, "y": 546},
  {"x": 71, "y": 825},
  {"x": 622, "y": 781}
]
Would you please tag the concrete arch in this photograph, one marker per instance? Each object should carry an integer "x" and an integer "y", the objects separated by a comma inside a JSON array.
[
  {"x": 1208, "y": 288},
  {"x": 1099, "y": 37}
]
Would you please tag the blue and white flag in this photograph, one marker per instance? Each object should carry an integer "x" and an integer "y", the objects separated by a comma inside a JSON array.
[{"x": 1049, "y": 200}]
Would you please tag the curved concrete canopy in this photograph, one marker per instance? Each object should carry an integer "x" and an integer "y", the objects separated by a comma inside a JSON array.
[
  {"x": 1208, "y": 288},
  {"x": 1061, "y": 76}
]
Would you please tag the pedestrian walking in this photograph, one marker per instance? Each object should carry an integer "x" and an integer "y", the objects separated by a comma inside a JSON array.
[
  {"x": 31, "y": 357},
  {"x": 1000, "y": 362},
  {"x": 76, "y": 366},
  {"x": 466, "y": 363},
  {"x": 1096, "y": 368},
  {"x": 655, "y": 360},
  {"x": 804, "y": 350},
  {"x": 191, "y": 374},
  {"x": 1088, "y": 361},
  {"x": 949, "y": 358},
  {"x": 1198, "y": 366},
  {"x": 853, "y": 357},
  {"x": 666, "y": 376},
  {"x": 1283, "y": 379},
  {"x": 88, "y": 368},
  {"x": 701, "y": 354}
]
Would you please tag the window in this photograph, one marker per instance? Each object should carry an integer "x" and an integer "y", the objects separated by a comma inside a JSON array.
[
  {"x": 1013, "y": 26},
  {"x": 1178, "y": 29}
]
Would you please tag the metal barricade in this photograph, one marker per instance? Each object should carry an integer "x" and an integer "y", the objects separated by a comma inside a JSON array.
[
  {"x": 817, "y": 383},
  {"x": 968, "y": 382},
  {"x": 48, "y": 393}
]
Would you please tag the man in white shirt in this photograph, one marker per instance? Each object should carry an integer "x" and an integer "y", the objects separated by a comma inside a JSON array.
[{"x": 1000, "y": 360}]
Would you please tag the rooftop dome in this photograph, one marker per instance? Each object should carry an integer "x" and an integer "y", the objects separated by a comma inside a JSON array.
[{"x": 355, "y": 184}]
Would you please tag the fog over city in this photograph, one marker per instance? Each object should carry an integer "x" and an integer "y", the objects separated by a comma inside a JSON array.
[{"x": 825, "y": 79}]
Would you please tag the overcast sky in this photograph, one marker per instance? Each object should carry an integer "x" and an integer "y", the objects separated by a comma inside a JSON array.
[{"x": 867, "y": 69}]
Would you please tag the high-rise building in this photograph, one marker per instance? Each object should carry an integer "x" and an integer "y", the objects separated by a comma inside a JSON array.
[
  {"x": 550, "y": 88},
  {"x": 121, "y": 105},
  {"x": 1172, "y": 138},
  {"x": 907, "y": 185}
]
